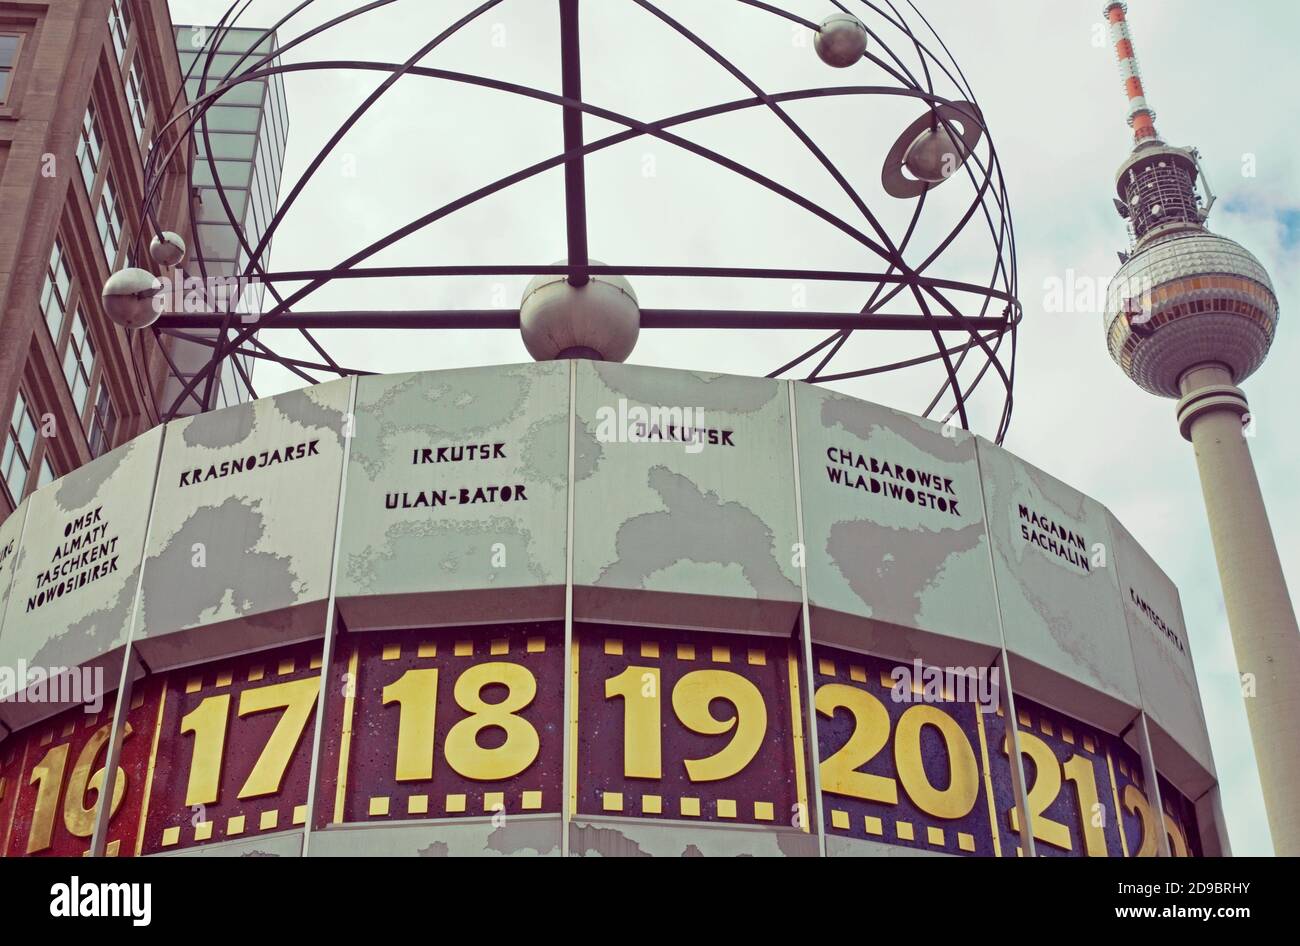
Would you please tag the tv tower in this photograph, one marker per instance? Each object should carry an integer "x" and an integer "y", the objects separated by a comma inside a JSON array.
[{"x": 1190, "y": 315}]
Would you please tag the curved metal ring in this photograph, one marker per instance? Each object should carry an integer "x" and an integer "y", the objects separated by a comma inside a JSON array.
[{"x": 966, "y": 116}]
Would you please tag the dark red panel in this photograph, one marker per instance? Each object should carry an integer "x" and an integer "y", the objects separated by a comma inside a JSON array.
[
  {"x": 1138, "y": 814},
  {"x": 1068, "y": 768},
  {"x": 11, "y": 770},
  {"x": 64, "y": 756},
  {"x": 858, "y": 731},
  {"x": 513, "y": 673},
  {"x": 245, "y": 716},
  {"x": 649, "y": 666}
]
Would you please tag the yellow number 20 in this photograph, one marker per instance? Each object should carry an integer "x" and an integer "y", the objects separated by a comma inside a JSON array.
[{"x": 870, "y": 734}]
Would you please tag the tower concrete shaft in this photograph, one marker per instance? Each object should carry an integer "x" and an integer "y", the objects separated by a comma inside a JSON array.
[{"x": 1265, "y": 636}]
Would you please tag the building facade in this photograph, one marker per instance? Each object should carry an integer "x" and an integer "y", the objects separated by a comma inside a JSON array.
[
  {"x": 86, "y": 87},
  {"x": 247, "y": 129}
]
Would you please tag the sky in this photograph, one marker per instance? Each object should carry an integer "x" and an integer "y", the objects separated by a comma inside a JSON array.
[{"x": 1046, "y": 79}]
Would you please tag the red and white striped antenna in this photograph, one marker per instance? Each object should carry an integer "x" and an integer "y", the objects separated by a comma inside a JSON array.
[{"x": 1141, "y": 117}]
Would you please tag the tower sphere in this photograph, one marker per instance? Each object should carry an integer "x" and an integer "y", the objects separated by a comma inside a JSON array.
[
  {"x": 167, "y": 249},
  {"x": 1185, "y": 299},
  {"x": 841, "y": 40},
  {"x": 129, "y": 296},
  {"x": 599, "y": 320}
]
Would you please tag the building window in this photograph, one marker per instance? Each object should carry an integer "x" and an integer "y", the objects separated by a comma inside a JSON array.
[
  {"x": 8, "y": 63},
  {"x": 79, "y": 362},
  {"x": 89, "y": 148},
  {"x": 20, "y": 444},
  {"x": 108, "y": 220},
  {"x": 48, "y": 475},
  {"x": 103, "y": 425},
  {"x": 119, "y": 26},
  {"x": 137, "y": 97},
  {"x": 54, "y": 295}
]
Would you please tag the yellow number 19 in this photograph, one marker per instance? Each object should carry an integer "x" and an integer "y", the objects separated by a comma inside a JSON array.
[{"x": 638, "y": 688}]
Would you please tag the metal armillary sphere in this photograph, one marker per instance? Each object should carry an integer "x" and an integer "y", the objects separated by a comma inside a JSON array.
[{"x": 933, "y": 176}]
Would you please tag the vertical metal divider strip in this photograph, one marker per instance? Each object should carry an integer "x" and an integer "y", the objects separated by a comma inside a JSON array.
[
  {"x": 1114, "y": 795},
  {"x": 4, "y": 613},
  {"x": 1017, "y": 761},
  {"x": 805, "y": 633},
  {"x": 103, "y": 812},
  {"x": 22, "y": 535},
  {"x": 327, "y": 646},
  {"x": 9, "y": 828},
  {"x": 150, "y": 769},
  {"x": 988, "y": 779},
  {"x": 1142, "y": 706},
  {"x": 1220, "y": 822},
  {"x": 1153, "y": 781},
  {"x": 568, "y": 742}
]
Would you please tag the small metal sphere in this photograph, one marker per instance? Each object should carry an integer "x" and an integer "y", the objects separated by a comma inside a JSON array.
[
  {"x": 934, "y": 155},
  {"x": 167, "y": 249},
  {"x": 841, "y": 40},
  {"x": 600, "y": 320},
  {"x": 130, "y": 298}
]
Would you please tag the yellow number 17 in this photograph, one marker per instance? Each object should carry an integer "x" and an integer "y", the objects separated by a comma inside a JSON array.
[{"x": 209, "y": 720}]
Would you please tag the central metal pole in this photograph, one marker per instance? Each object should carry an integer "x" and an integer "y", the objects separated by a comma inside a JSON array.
[{"x": 575, "y": 184}]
